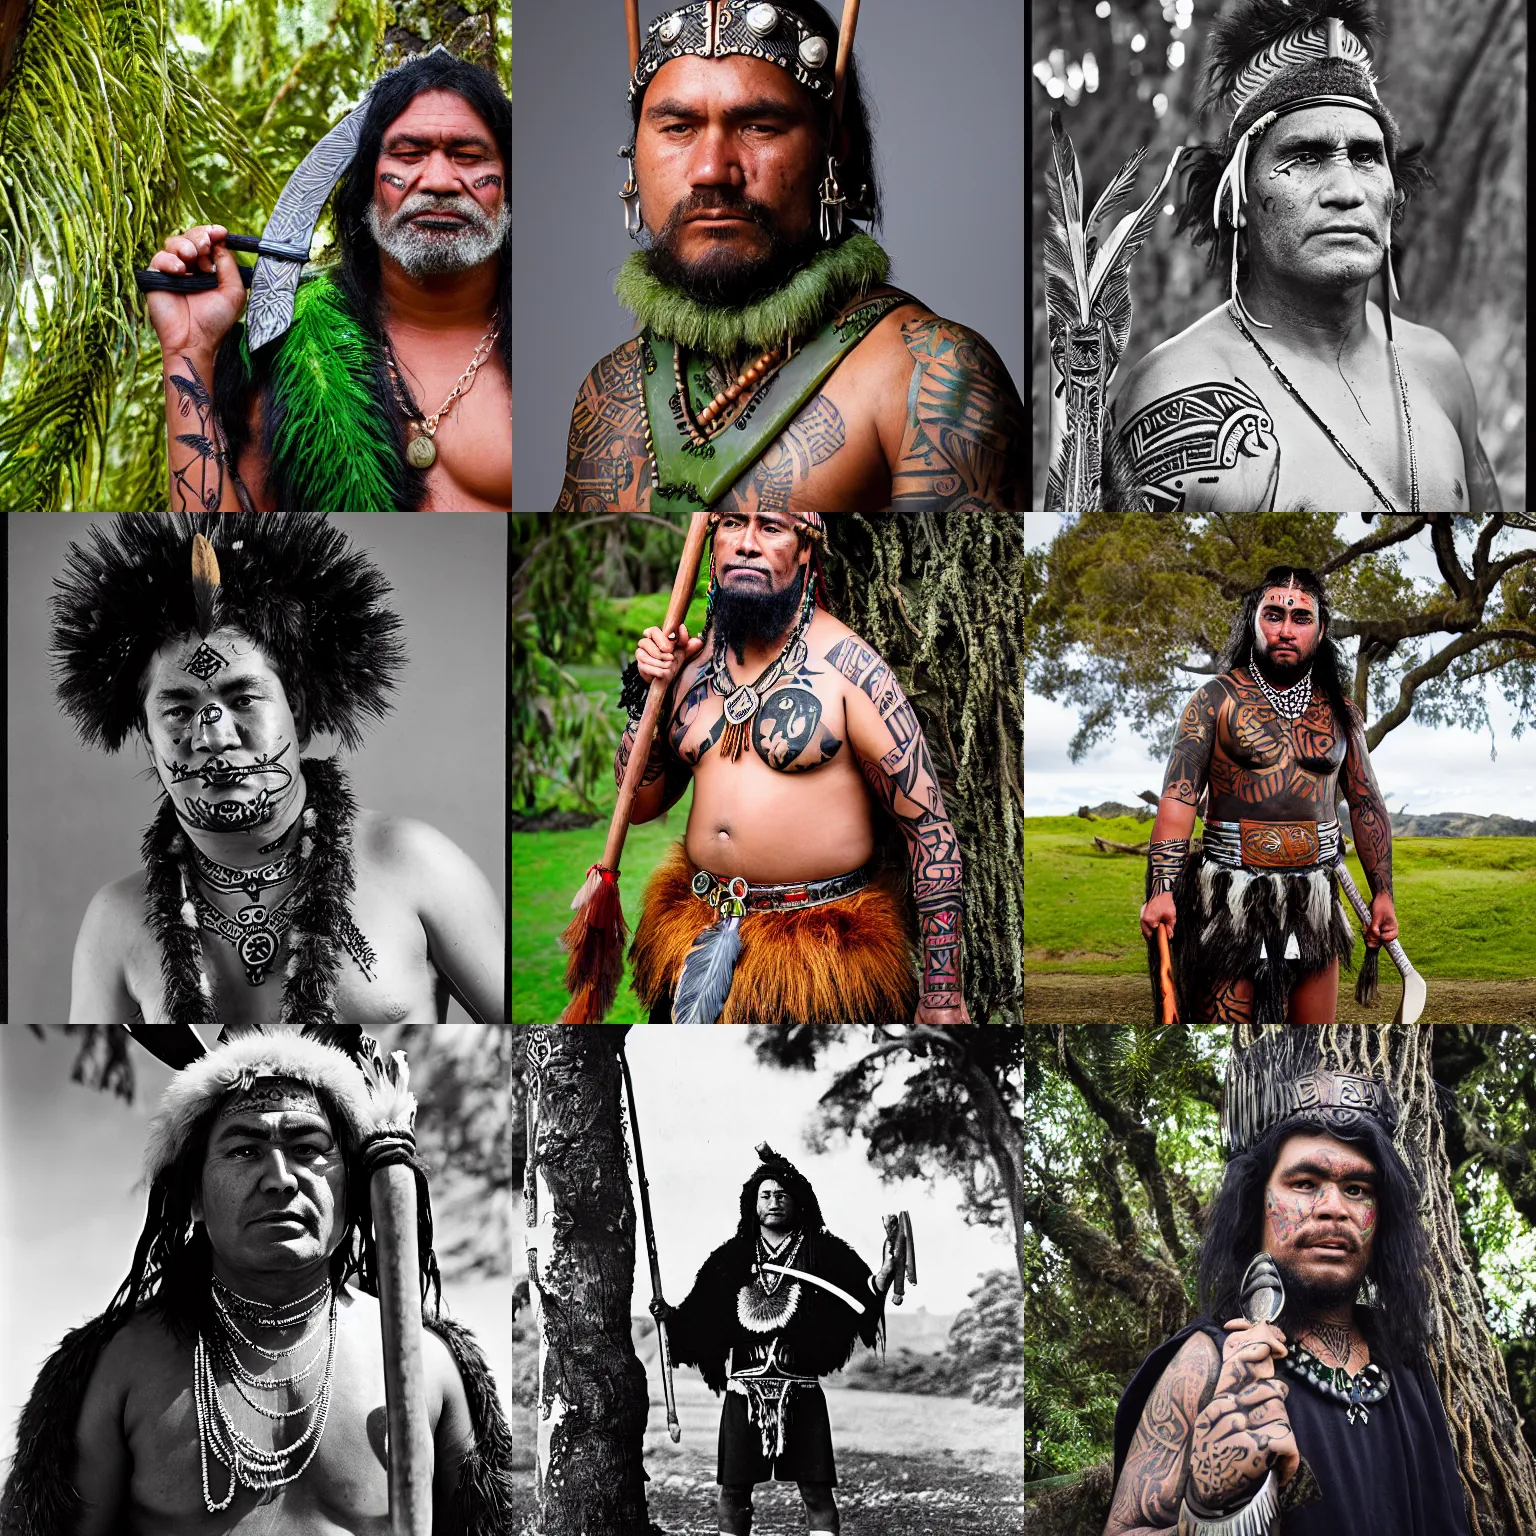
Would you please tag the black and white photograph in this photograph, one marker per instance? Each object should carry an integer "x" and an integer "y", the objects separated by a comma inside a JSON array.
[
  {"x": 772, "y": 1281},
  {"x": 1279, "y": 255},
  {"x": 256, "y": 769},
  {"x": 256, "y": 1281}
]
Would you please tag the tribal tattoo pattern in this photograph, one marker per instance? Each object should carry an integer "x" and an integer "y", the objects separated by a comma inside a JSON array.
[
  {"x": 228, "y": 815},
  {"x": 687, "y": 713},
  {"x": 1191, "y": 437},
  {"x": 904, "y": 783},
  {"x": 1190, "y": 762},
  {"x": 655, "y": 764},
  {"x": 808, "y": 441},
  {"x": 607, "y": 462},
  {"x": 964, "y": 446},
  {"x": 206, "y": 444},
  {"x": 788, "y": 734},
  {"x": 204, "y": 662},
  {"x": 1167, "y": 859},
  {"x": 220, "y": 773},
  {"x": 1368, "y": 817}
]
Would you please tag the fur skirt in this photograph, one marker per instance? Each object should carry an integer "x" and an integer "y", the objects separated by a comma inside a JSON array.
[
  {"x": 850, "y": 961},
  {"x": 1236, "y": 922}
]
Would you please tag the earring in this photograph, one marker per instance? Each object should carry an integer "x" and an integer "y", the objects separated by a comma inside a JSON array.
[
  {"x": 634, "y": 220},
  {"x": 832, "y": 204}
]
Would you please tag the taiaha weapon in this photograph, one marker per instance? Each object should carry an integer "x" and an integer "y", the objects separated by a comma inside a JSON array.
[
  {"x": 673, "y": 1427},
  {"x": 845, "y": 32},
  {"x": 632, "y": 23},
  {"x": 1168, "y": 1010},
  {"x": 594, "y": 939},
  {"x": 1414, "y": 989},
  {"x": 1088, "y": 310}
]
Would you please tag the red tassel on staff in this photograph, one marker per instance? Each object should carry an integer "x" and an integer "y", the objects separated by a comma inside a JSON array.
[{"x": 594, "y": 939}]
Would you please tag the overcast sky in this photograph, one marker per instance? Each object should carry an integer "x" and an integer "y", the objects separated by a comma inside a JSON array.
[{"x": 1425, "y": 770}]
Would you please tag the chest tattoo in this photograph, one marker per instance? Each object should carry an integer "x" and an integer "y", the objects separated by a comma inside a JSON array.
[
  {"x": 788, "y": 733},
  {"x": 1263, "y": 759}
]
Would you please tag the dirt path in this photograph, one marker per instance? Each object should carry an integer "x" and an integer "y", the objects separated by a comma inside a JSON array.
[{"x": 1063, "y": 998}]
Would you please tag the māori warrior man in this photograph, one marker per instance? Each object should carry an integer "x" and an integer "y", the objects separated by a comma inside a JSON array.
[
  {"x": 1301, "y": 392},
  {"x": 1335, "y": 1398},
  {"x": 764, "y": 1337},
  {"x": 786, "y": 901},
  {"x": 775, "y": 366},
  {"x": 1266, "y": 747},
  {"x": 220, "y": 645},
  {"x": 235, "y": 1383}
]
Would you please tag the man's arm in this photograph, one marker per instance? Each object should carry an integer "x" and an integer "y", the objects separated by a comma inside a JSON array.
[
  {"x": 1367, "y": 810},
  {"x": 663, "y": 781},
  {"x": 963, "y": 447},
  {"x": 607, "y": 466},
  {"x": 103, "y": 1466},
  {"x": 1152, "y": 1479},
  {"x": 453, "y": 1433},
  {"x": 98, "y": 985},
  {"x": 460, "y": 914},
  {"x": 1189, "y": 767},
  {"x": 893, "y": 756}
]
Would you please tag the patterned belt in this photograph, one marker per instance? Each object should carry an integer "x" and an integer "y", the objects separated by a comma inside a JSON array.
[
  {"x": 1287, "y": 847},
  {"x": 735, "y": 898}
]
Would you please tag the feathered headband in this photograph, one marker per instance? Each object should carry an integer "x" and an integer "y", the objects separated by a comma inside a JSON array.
[
  {"x": 290, "y": 581},
  {"x": 1284, "y": 1075}
]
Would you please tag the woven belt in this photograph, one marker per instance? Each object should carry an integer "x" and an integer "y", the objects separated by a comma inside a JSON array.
[
  {"x": 735, "y": 898},
  {"x": 1287, "y": 847}
]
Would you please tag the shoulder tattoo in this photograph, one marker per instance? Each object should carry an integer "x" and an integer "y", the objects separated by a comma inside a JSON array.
[
  {"x": 964, "y": 444},
  {"x": 1191, "y": 436},
  {"x": 606, "y": 459},
  {"x": 1189, "y": 764}
]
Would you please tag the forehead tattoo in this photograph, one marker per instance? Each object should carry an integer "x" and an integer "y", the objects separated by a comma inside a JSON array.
[{"x": 204, "y": 662}]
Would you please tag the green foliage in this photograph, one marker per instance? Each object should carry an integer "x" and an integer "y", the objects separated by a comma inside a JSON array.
[{"x": 988, "y": 1342}]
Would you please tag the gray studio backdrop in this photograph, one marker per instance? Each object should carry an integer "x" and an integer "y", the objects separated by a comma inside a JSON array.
[
  {"x": 946, "y": 81},
  {"x": 76, "y": 815}
]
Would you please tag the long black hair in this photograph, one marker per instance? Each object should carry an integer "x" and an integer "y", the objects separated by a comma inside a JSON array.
[
  {"x": 1399, "y": 1324},
  {"x": 857, "y": 173},
  {"x": 1327, "y": 665}
]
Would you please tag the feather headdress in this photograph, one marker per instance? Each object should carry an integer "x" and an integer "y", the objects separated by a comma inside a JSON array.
[{"x": 290, "y": 581}]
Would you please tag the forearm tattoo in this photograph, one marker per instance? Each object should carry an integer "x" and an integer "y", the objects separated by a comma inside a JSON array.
[
  {"x": 206, "y": 464},
  {"x": 607, "y": 463},
  {"x": 1189, "y": 764},
  {"x": 903, "y": 781},
  {"x": 655, "y": 763},
  {"x": 964, "y": 445},
  {"x": 1167, "y": 859},
  {"x": 810, "y": 439},
  {"x": 1368, "y": 816},
  {"x": 1198, "y": 436}
]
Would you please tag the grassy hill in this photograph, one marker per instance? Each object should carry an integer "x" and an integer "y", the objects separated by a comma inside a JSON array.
[{"x": 1467, "y": 906}]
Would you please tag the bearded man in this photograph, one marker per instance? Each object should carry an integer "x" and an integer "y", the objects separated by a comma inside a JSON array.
[
  {"x": 221, "y": 645},
  {"x": 1267, "y": 746},
  {"x": 780, "y": 904},
  {"x": 1300, "y": 392},
  {"x": 235, "y": 1383},
  {"x": 779, "y": 1305},
  {"x": 775, "y": 367},
  {"x": 391, "y": 389},
  {"x": 1331, "y": 1411}
]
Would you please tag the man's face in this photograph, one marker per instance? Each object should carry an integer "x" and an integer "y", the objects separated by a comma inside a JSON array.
[
  {"x": 439, "y": 203},
  {"x": 273, "y": 1193},
  {"x": 223, "y": 736},
  {"x": 760, "y": 568},
  {"x": 728, "y": 158},
  {"x": 1320, "y": 198},
  {"x": 775, "y": 1206},
  {"x": 1286, "y": 629},
  {"x": 1320, "y": 1215}
]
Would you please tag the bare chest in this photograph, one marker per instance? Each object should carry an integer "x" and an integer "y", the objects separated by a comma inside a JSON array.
[
  {"x": 473, "y": 438},
  {"x": 1268, "y": 768}
]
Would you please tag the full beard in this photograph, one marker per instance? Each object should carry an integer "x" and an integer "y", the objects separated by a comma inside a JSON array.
[
  {"x": 742, "y": 618},
  {"x": 436, "y": 253},
  {"x": 721, "y": 277},
  {"x": 1279, "y": 675},
  {"x": 1305, "y": 1299}
]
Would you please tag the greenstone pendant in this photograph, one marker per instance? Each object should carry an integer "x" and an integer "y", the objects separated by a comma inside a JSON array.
[{"x": 421, "y": 452}]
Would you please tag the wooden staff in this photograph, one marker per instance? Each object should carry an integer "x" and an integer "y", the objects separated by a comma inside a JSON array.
[
  {"x": 594, "y": 940},
  {"x": 1170, "y": 1005},
  {"x": 845, "y": 32},
  {"x": 393, "y": 1193},
  {"x": 632, "y": 23}
]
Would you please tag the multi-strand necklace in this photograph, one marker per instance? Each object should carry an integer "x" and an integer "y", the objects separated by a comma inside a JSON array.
[
  {"x": 743, "y": 700},
  {"x": 1289, "y": 703},
  {"x": 768, "y": 1301},
  {"x": 421, "y": 451},
  {"x": 250, "y": 1464},
  {"x": 1358, "y": 1392},
  {"x": 715, "y": 417}
]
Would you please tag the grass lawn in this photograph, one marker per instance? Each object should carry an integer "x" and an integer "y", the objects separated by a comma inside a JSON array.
[
  {"x": 1466, "y": 905},
  {"x": 547, "y": 870}
]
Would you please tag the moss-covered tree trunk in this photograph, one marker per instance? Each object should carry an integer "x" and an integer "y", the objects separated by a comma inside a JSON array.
[
  {"x": 1496, "y": 1468},
  {"x": 580, "y": 1223},
  {"x": 467, "y": 31}
]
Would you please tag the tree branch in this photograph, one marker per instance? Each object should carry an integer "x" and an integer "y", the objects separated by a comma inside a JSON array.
[
  {"x": 1368, "y": 546},
  {"x": 1432, "y": 668},
  {"x": 1443, "y": 536}
]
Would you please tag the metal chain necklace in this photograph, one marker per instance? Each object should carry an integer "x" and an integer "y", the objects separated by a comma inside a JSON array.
[
  {"x": 1289, "y": 703},
  {"x": 742, "y": 700},
  {"x": 1349, "y": 458},
  {"x": 421, "y": 451}
]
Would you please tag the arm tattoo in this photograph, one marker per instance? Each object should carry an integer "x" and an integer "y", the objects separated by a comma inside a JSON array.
[
  {"x": 655, "y": 764},
  {"x": 964, "y": 444},
  {"x": 1367, "y": 810},
  {"x": 810, "y": 439},
  {"x": 1167, "y": 859},
  {"x": 1152, "y": 1480},
  {"x": 1191, "y": 436},
  {"x": 607, "y": 465},
  {"x": 206, "y": 444},
  {"x": 903, "y": 782},
  {"x": 1189, "y": 764}
]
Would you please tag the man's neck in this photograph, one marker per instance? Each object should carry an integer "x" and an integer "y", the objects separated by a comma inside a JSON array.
[
  {"x": 245, "y": 850},
  {"x": 274, "y": 1287},
  {"x": 446, "y": 301},
  {"x": 1326, "y": 323}
]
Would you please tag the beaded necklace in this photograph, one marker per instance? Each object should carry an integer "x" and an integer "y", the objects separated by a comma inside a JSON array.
[
  {"x": 1368, "y": 1385},
  {"x": 1289, "y": 703},
  {"x": 715, "y": 417},
  {"x": 1349, "y": 458}
]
